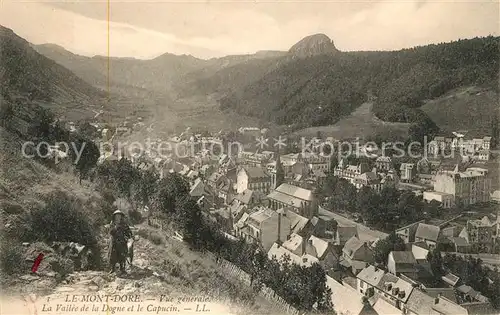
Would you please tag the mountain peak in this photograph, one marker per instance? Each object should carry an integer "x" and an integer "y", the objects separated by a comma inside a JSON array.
[{"x": 316, "y": 44}]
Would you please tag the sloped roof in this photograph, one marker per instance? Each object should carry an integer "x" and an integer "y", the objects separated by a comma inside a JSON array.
[
  {"x": 262, "y": 215},
  {"x": 403, "y": 257},
  {"x": 419, "y": 252},
  {"x": 371, "y": 275},
  {"x": 450, "y": 278},
  {"x": 286, "y": 199},
  {"x": 458, "y": 241},
  {"x": 397, "y": 282},
  {"x": 242, "y": 220},
  {"x": 447, "y": 307},
  {"x": 295, "y": 191},
  {"x": 293, "y": 243},
  {"x": 345, "y": 299},
  {"x": 448, "y": 293},
  {"x": 198, "y": 188},
  {"x": 352, "y": 245},
  {"x": 297, "y": 222},
  {"x": 279, "y": 252},
  {"x": 427, "y": 231},
  {"x": 384, "y": 308},
  {"x": 319, "y": 245},
  {"x": 255, "y": 172},
  {"x": 245, "y": 196},
  {"x": 485, "y": 221},
  {"x": 346, "y": 232}
]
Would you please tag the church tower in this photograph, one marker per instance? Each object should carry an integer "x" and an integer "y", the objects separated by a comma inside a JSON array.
[{"x": 278, "y": 175}]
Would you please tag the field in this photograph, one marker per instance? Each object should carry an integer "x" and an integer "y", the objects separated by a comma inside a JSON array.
[
  {"x": 470, "y": 108},
  {"x": 360, "y": 123},
  {"x": 200, "y": 113}
]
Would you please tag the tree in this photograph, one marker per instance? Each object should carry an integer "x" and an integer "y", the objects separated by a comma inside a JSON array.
[
  {"x": 168, "y": 190},
  {"x": 410, "y": 207},
  {"x": 435, "y": 259},
  {"x": 432, "y": 208},
  {"x": 422, "y": 127},
  {"x": 344, "y": 196},
  {"x": 144, "y": 189},
  {"x": 387, "y": 245},
  {"x": 189, "y": 219},
  {"x": 368, "y": 203},
  {"x": 328, "y": 188},
  {"x": 88, "y": 131},
  {"x": 87, "y": 156},
  {"x": 334, "y": 162},
  {"x": 495, "y": 131},
  {"x": 42, "y": 124}
]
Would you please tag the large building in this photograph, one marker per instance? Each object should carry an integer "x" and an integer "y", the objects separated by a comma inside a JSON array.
[
  {"x": 483, "y": 233},
  {"x": 264, "y": 227},
  {"x": 253, "y": 178},
  {"x": 253, "y": 158},
  {"x": 467, "y": 188},
  {"x": 301, "y": 200},
  {"x": 350, "y": 172},
  {"x": 408, "y": 172}
]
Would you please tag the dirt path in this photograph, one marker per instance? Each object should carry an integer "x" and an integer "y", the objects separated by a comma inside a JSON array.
[{"x": 166, "y": 277}]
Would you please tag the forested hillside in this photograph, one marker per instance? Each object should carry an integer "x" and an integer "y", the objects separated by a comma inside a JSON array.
[
  {"x": 320, "y": 90},
  {"x": 27, "y": 73},
  {"x": 216, "y": 80}
]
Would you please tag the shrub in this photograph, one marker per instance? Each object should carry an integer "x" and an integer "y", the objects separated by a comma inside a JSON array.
[
  {"x": 156, "y": 238},
  {"x": 12, "y": 258},
  {"x": 153, "y": 236},
  {"x": 62, "y": 219},
  {"x": 135, "y": 216}
]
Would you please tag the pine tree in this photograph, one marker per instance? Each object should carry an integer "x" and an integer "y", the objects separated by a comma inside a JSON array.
[{"x": 494, "y": 132}]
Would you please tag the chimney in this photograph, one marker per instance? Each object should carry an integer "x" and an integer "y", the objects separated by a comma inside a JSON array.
[
  {"x": 436, "y": 300},
  {"x": 304, "y": 245}
]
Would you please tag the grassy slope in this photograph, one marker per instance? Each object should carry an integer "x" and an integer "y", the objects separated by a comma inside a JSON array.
[
  {"x": 25, "y": 181},
  {"x": 468, "y": 108},
  {"x": 360, "y": 123}
]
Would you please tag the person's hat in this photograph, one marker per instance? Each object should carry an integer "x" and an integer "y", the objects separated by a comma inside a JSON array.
[{"x": 118, "y": 212}]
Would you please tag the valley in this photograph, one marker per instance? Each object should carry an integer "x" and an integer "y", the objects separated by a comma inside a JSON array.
[{"x": 223, "y": 205}]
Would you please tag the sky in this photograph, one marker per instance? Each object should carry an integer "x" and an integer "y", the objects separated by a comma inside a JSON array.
[{"x": 205, "y": 29}]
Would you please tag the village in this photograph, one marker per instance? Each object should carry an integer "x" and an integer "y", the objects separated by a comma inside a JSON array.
[{"x": 277, "y": 200}]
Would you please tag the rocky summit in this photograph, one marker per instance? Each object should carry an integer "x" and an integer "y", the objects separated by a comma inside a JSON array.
[{"x": 317, "y": 44}]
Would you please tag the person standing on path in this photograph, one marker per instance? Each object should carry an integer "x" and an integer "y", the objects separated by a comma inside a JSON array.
[{"x": 120, "y": 234}]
